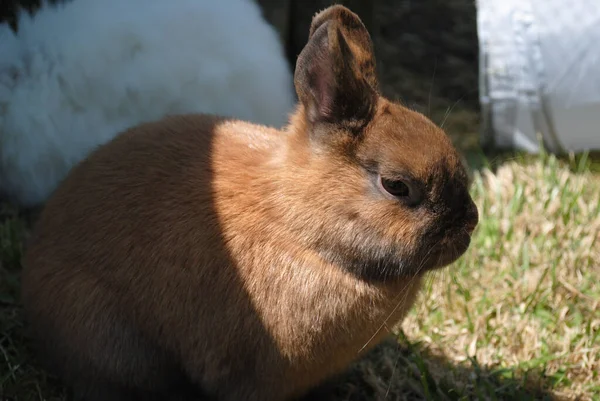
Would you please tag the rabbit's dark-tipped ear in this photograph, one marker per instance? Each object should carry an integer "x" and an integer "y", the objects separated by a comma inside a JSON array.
[{"x": 335, "y": 73}]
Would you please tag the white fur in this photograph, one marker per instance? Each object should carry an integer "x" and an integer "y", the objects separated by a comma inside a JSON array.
[{"x": 79, "y": 73}]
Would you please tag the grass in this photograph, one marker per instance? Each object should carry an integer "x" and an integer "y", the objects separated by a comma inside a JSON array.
[{"x": 525, "y": 300}]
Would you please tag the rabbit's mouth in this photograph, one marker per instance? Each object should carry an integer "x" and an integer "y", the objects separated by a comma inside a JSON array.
[
  {"x": 448, "y": 250},
  {"x": 451, "y": 239}
]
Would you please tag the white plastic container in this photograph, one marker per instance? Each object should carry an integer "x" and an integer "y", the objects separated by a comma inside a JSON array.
[{"x": 540, "y": 74}]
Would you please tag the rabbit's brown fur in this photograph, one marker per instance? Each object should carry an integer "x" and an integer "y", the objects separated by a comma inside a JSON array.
[{"x": 205, "y": 257}]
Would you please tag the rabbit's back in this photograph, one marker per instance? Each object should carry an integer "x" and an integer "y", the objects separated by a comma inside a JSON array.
[
  {"x": 156, "y": 240},
  {"x": 149, "y": 201}
]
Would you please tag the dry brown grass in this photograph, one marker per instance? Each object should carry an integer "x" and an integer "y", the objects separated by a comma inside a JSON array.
[{"x": 526, "y": 297}]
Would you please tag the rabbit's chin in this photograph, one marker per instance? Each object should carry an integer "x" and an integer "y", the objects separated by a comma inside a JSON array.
[
  {"x": 384, "y": 262},
  {"x": 447, "y": 251},
  {"x": 391, "y": 266}
]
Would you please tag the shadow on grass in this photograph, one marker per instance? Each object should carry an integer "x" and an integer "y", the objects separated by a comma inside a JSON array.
[
  {"x": 405, "y": 370},
  {"x": 20, "y": 380},
  {"x": 401, "y": 370},
  {"x": 392, "y": 371}
]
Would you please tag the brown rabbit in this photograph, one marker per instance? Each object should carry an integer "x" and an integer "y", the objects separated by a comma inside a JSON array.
[{"x": 207, "y": 258}]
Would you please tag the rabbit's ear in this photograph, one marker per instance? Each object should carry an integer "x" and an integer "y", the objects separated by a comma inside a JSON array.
[{"x": 335, "y": 73}]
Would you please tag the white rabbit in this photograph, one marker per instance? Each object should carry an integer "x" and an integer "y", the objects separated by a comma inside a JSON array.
[{"x": 78, "y": 73}]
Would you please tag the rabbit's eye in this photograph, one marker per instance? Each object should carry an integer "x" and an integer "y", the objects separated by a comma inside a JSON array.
[
  {"x": 406, "y": 190},
  {"x": 396, "y": 188}
]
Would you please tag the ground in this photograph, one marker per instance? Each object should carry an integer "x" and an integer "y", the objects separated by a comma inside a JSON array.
[{"x": 516, "y": 318}]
